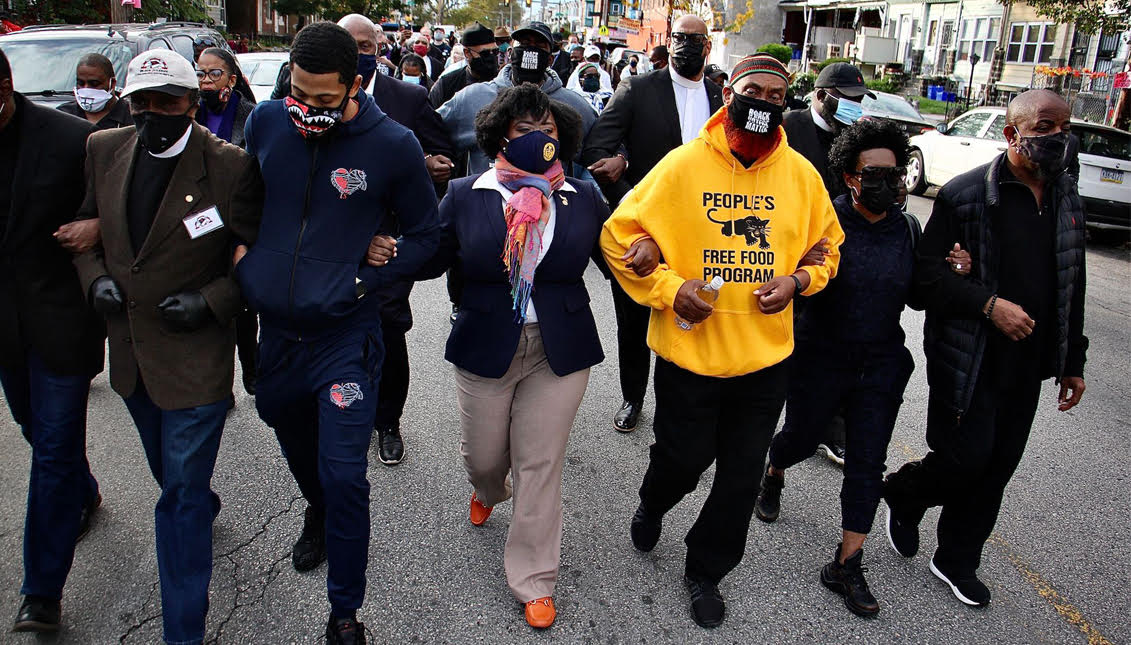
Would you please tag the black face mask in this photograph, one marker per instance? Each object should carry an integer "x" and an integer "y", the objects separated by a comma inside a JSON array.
[
  {"x": 876, "y": 195},
  {"x": 158, "y": 132},
  {"x": 688, "y": 59},
  {"x": 755, "y": 115},
  {"x": 528, "y": 65},
  {"x": 591, "y": 83},
  {"x": 1048, "y": 153},
  {"x": 485, "y": 67},
  {"x": 215, "y": 100}
]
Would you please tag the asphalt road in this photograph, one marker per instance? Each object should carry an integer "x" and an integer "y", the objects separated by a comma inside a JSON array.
[{"x": 1057, "y": 565}]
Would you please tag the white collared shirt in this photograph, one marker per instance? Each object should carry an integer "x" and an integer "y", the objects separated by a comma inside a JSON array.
[
  {"x": 820, "y": 120},
  {"x": 177, "y": 148},
  {"x": 489, "y": 181},
  {"x": 692, "y": 104}
]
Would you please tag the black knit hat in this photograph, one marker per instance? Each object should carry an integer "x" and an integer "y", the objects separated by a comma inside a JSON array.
[
  {"x": 324, "y": 47},
  {"x": 477, "y": 34}
]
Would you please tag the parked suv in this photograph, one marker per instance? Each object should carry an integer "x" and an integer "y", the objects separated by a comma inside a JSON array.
[
  {"x": 44, "y": 57},
  {"x": 976, "y": 137}
]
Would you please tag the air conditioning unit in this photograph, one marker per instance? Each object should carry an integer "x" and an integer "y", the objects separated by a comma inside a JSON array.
[{"x": 832, "y": 50}]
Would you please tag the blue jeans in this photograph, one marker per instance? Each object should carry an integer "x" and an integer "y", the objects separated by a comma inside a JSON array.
[
  {"x": 181, "y": 447},
  {"x": 320, "y": 397},
  {"x": 51, "y": 411}
]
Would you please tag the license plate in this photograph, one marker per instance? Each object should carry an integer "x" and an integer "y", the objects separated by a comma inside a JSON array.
[{"x": 1114, "y": 176}]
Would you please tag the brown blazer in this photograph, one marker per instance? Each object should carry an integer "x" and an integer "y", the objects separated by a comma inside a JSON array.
[{"x": 180, "y": 370}]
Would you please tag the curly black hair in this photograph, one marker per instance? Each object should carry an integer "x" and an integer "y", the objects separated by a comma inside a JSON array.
[
  {"x": 324, "y": 47},
  {"x": 867, "y": 134},
  {"x": 493, "y": 121}
]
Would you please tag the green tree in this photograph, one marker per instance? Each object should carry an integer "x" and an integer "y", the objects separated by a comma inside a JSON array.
[
  {"x": 781, "y": 52},
  {"x": 300, "y": 8},
  {"x": 375, "y": 10},
  {"x": 42, "y": 12},
  {"x": 1089, "y": 16}
]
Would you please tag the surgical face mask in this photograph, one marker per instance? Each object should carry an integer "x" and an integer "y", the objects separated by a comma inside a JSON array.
[
  {"x": 837, "y": 111},
  {"x": 528, "y": 64},
  {"x": 876, "y": 195},
  {"x": 533, "y": 152},
  {"x": 591, "y": 83},
  {"x": 1046, "y": 152},
  {"x": 91, "y": 99},
  {"x": 755, "y": 115},
  {"x": 156, "y": 133},
  {"x": 503, "y": 47},
  {"x": 415, "y": 80},
  {"x": 313, "y": 122}
]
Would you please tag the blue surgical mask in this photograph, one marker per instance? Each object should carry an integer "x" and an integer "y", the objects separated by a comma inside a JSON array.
[
  {"x": 533, "y": 152},
  {"x": 848, "y": 112},
  {"x": 411, "y": 79}
]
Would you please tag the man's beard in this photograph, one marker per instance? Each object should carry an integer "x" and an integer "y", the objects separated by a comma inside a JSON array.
[{"x": 748, "y": 147}]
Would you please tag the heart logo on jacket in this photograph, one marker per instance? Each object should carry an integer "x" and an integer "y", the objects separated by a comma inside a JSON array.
[{"x": 348, "y": 182}]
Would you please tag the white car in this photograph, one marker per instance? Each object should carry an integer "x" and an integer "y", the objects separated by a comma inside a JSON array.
[
  {"x": 261, "y": 70},
  {"x": 976, "y": 137}
]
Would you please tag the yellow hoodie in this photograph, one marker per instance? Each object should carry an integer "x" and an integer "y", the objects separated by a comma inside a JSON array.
[{"x": 710, "y": 216}]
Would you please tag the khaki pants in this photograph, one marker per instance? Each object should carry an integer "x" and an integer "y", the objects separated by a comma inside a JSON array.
[{"x": 520, "y": 424}]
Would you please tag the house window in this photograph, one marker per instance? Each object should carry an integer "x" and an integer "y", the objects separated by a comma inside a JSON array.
[
  {"x": 932, "y": 33},
  {"x": 266, "y": 10},
  {"x": 978, "y": 36},
  {"x": 1031, "y": 42}
]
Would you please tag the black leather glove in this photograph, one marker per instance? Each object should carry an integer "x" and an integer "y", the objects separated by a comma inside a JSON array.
[
  {"x": 186, "y": 311},
  {"x": 105, "y": 296}
]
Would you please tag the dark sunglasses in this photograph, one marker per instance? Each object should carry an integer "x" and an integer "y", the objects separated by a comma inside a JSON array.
[
  {"x": 485, "y": 52},
  {"x": 893, "y": 175},
  {"x": 683, "y": 37},
  {"x": 213, "y": 74}
]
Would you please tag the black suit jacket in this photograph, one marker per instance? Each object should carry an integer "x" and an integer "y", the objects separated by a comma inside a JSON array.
[
  {"x": 643, "y": 117},
  {"x": 409, "y": 106},
  {"x": 485, "y": 335},
  {"x": 801, "y": 132},
  {"x": 42, "y": 303}
]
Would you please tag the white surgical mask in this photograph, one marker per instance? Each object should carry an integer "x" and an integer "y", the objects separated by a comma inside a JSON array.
[{"x": 92, "y": 100}]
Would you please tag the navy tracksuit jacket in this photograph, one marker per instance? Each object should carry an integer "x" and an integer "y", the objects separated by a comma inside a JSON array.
[{"x": 306, "y": 276}]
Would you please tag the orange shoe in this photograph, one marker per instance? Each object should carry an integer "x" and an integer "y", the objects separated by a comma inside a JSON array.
[
  {"x": 479, "y": 512},
  {"x": 540, "y": 613}
]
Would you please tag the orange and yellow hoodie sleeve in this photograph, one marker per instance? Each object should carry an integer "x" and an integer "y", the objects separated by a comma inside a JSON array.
[
  {"x": 628, "y": 225},
  {"x": 823, "y": 223}
]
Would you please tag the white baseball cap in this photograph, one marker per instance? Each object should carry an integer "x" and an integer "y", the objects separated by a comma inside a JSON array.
[
  {"x": 162, "y": 70},
  {"x": 592, "y": 50}
]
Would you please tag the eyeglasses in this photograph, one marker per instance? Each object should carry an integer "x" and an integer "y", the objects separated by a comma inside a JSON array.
[
  {"x": 893, "y": 175},
  {"x": 213, "y": 74},
  {"x": 680, "y": 37}
]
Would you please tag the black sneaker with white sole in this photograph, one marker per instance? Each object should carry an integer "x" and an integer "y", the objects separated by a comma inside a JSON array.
[
  {"x": 903, "y": 533},
  {"x": 390, "y": 445},
  {"x": 833, "y": 451},
  {"x": 967, "y": 588}
]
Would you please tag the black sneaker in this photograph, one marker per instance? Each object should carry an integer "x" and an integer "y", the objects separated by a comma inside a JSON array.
[
  {"x": 344, "y": 631},
  {"x": 38, "y": 614},
  {"x": 707, "y": 606},
  {"x": 455, "y": 314},
  {"x": 390, "y": 446},
  {"x": 249, "y": 381},
  {"x": 645, "y": 529},
  {"x": 967, "y": 588},
  {"x": 848, "y": 580},
  {"x": 768, "y": 505},
  {"x": 310, "y": 550},
  {"x": 85, "y": 518},
  {"x": 834, "y": 451}
]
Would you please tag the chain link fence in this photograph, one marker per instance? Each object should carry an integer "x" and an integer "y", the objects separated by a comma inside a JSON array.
[{"x": 1091, "y": 98}]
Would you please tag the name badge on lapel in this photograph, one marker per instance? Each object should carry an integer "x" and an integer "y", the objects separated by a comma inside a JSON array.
[{"x": 203, "y": 222}]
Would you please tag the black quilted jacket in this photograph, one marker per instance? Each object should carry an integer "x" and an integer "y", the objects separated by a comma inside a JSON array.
[{"x": 956, "y": 330}]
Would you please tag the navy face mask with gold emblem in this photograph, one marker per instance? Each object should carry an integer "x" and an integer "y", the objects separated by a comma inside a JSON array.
[{"x": 533, "y": 152}]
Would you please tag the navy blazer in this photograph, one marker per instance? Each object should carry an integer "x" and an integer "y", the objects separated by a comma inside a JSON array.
[{"x": 485, "y": 335}]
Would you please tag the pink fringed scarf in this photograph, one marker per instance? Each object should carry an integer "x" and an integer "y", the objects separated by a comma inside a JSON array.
[{"x": 527, "y": 212}]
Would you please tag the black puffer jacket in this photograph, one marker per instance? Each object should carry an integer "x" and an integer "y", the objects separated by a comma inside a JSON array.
[{"x": 956, "y": 330}]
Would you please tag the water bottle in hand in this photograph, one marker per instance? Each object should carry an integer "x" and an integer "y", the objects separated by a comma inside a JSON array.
[{"x": 708, "y": 293}]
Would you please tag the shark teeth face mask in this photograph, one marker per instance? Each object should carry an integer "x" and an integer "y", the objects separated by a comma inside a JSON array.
[{"x": 313, "y": 122}]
